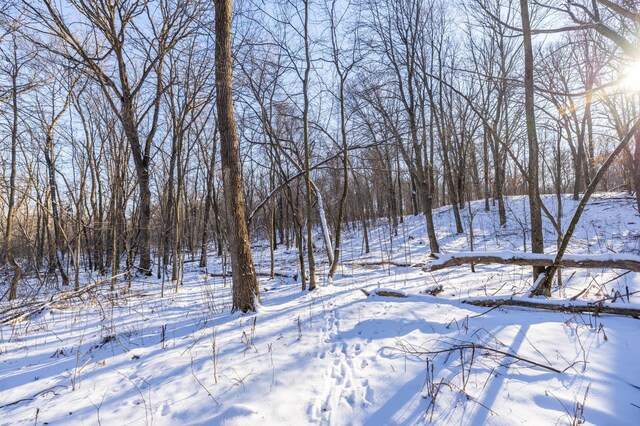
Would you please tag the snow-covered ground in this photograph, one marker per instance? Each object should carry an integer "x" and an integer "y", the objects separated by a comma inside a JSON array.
[{"x": 335, "y": 356}]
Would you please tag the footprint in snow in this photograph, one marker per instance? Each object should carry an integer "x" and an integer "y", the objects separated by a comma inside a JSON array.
[
  {"x": 166, "y": 410},
  {"x": 368, "y": 393}
]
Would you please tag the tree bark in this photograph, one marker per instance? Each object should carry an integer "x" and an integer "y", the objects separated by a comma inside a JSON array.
[
  {"x": 537, "y": 240},
  {"x": 246, "y": 293},
  {"x": 142, "y": 163},
  {"x": 307, "y": 151}
]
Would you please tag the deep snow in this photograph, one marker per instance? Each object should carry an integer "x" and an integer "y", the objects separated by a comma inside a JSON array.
[{"x": 334, "y": 356}]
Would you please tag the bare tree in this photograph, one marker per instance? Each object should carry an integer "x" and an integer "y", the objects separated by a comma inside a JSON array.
[
  {"x": 535, "y": 210},
  {"x": 133, "y": 95},
  {"x": 246, "y": 293}
]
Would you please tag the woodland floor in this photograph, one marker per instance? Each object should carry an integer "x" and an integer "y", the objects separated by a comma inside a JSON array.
[{"x": 335, "y": 356}]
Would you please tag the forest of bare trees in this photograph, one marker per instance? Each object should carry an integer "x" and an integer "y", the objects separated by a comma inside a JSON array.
[{"x": 140, "y": 135}]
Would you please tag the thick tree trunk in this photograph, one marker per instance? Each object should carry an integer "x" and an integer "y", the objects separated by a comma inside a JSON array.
[
  {"x": 246, "y": 293},
  {"x": 307, "y": 150},
  {"x": 142, "y": 163},
  {"x": 537, "y": 240},
  {"x": 427, "y": 205},
  {"x": 144, "y": 236}
]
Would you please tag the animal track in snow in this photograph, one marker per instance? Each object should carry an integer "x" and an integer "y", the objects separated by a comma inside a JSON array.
[{"x": 343, "y": 387}]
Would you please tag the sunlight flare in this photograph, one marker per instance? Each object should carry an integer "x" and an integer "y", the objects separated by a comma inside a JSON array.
[{"x": 631, "y": 77}]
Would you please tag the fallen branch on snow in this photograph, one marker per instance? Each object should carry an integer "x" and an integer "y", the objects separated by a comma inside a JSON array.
[
  {"x": 383, "y": 263},
  {"x": 384, "y": 293},
  {"x": 18, "y": 313},
  {"x": 606, "y": 261},
  {"x": 598, "y": 307},
  {"x": 42, "y": 392},
  {"x": 475, "y": 346}
]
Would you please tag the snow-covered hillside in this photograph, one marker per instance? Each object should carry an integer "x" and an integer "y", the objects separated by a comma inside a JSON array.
[{"x": 335, "y": 356}]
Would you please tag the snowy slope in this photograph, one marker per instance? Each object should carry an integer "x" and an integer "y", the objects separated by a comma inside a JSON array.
[{"x": 334, "y": 356}]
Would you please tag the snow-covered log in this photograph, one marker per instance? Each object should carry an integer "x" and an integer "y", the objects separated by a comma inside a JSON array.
[
  {"x": 607, "y": 260},
  {"x": 598, "y": 307},
  {"x": 384, "y": 293}
]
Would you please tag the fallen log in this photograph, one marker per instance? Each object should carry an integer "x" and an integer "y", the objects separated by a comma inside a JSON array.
[
  {"x": 376, "y": 264},
  {"x": 597, "y": 261},
  {"x": 571, "y": 306},
  {"x": 258, "y": 274},
  {"x": 384, "y": 293}
]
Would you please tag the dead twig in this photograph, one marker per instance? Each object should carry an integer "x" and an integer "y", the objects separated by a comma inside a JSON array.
[
  {"x": 42, "y": 392},
  {"x": 474, "y": 347}
]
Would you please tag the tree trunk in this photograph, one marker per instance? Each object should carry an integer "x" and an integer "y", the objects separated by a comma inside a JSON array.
[
  {"x": 578, "y": 162},
  {"x": 485, "y": 159},
  {"x": 453, "y": 193},
  {"x": 8, "y": 249},
  {"x": 400, "y": 192},
  {"x": 55, "y": 214},
  {"x": 537, "y": 240},
  {"x": 307, "y": 151},
  {"x": 207, "y": 206},
  {"x": 427, "y": 206},
  {"x": 345, "y": 183},
  {"x": 246, "y": 293},
  {"x": 142, "y": 163},
  {"x": 414, "y": 197}
]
